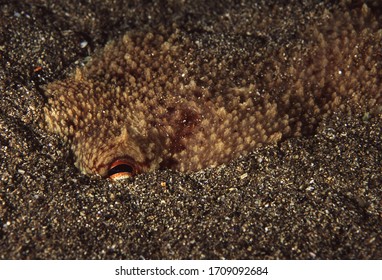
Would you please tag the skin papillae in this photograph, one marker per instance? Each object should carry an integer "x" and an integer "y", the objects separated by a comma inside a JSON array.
[{"x": 168, "y": 98}]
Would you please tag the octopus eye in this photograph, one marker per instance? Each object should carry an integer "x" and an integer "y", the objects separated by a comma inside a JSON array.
[{"x": 121, "y": 169}]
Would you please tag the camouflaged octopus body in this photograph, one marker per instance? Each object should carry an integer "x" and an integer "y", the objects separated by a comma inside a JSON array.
[{"x": 169, "y": 99}]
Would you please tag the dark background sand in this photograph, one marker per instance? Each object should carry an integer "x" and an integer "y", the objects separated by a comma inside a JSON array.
[{"x": 315, "y": 197}]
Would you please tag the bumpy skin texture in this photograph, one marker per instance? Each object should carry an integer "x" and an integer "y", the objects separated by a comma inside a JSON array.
[{"x": 166, "y": 98}]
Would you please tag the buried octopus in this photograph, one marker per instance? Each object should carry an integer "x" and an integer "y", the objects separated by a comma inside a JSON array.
[{"x": 165, "y": 98}]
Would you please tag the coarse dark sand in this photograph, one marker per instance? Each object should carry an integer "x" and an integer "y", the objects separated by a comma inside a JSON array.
[{"x": 316, "y": 197}]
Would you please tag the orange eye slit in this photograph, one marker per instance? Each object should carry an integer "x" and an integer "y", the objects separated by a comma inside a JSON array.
[
  {"x": 122, "y": 169},
  {"x": 119, "y": 162}
]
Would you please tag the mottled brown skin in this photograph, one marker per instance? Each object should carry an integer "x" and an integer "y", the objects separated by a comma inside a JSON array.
[{"x": 169, "y": 99}]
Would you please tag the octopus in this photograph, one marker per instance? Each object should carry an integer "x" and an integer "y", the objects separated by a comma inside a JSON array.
[{"x": 170, "y": 98}]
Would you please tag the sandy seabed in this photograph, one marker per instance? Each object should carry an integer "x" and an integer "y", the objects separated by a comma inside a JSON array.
[{"x": 315, "y": 197}]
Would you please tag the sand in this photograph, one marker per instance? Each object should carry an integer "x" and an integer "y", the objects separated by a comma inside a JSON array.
[{"x": 314, "y": 197}]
